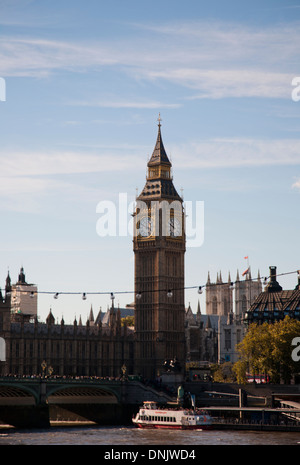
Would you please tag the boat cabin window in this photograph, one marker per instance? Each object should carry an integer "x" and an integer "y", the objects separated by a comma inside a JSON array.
[{"x": 157, "y": 418}]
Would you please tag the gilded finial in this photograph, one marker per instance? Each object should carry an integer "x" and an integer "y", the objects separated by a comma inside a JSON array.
[{"x": 159, "y": 120}]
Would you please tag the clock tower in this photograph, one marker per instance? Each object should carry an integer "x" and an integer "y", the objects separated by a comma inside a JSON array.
[{"x": 159, "y": 248}]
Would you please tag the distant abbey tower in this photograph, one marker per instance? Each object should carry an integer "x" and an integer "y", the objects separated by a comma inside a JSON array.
[
  {"x": 219, "y": 295},
  {"x": 246, "y": 292}
]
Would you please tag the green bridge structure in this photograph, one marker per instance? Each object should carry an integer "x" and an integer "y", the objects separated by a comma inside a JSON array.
[{"x": 38, "y": 402}]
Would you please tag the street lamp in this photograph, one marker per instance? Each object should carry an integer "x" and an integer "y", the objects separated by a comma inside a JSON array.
[
  {"x": 124, "y": 370},
  {"x": 44, "y": 366}
]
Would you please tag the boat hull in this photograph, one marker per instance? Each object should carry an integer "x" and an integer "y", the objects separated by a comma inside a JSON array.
[
  {"x": 185, "y": 427},
  {"x": 196, "y": 427}
]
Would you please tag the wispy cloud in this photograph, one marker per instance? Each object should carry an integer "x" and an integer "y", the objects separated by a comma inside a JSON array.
[
  {"x": 296, "y": 185},
  {"x": 237, "y": 152},
  {"x": 37, "y": 57},
  {"x": 230, "y": 83},
  {"x": 209, "y": 153},
  {"x": 28, "y": 179},
  {"x": 25, "y": 194},
  {"x": 22, "y": 164},
  {"x": 125, "y": 104},
  {"x": 216, "y": 59}
]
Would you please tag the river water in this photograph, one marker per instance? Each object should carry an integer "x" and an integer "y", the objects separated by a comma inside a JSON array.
[{"x": 126, "y": 436}]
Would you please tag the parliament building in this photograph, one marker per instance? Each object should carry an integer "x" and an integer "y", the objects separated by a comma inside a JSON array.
[{"x": 164, "y": 331}]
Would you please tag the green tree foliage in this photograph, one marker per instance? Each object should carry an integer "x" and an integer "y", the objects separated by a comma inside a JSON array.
[
  {"x": 223, "y": 373},
  {"x": 267, "y": 349},
  {"x": 128, "y": 320}
]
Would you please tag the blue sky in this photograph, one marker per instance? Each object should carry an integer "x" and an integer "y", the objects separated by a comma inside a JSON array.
[{"x": 85, "y": 82}]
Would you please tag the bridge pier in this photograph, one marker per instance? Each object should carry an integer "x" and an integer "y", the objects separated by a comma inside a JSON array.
[
  {"x": 43, "y": 392},
  {"x": 25, "y": 416}
]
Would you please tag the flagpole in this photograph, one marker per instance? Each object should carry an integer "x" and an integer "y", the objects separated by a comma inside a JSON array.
[{"x": 248, "y": 266}]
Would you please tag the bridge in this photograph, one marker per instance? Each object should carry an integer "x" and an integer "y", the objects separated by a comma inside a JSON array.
[{"x": 36, "y": 402}]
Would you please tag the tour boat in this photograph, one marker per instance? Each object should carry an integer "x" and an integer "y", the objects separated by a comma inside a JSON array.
[{"x": 151, "y": 416}]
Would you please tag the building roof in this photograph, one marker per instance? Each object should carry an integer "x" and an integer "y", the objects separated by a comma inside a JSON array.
[
  {"x": 123, "y": 313},
  {"x": 159, "y": 188},
  {"x": 208, "y": 321},
  {"x": 274, "y": 303}
]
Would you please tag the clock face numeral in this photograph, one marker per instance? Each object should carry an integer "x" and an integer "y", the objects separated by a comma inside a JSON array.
[
  {"x": 146, "y": 227},
  {"x": 175, "y": 227}
]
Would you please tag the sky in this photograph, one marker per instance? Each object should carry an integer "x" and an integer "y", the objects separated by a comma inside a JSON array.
[{"x": 85, "y": 83}]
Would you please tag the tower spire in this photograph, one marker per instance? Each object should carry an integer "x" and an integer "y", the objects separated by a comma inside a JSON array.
[
  {"x": 7, "y": 284},
  {"x": 208, "y": 278},
  {"x": 159, "y": 155},
  {"x": 159, "y": 176}
]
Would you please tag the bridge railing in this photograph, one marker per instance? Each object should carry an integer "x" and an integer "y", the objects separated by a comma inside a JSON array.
[{"x": 16, "y": 378}]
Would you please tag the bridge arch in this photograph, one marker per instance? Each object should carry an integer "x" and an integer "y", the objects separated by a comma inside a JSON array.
[
  {"x": 12, "y": 394},
  {"x": 82, "y": 394}
]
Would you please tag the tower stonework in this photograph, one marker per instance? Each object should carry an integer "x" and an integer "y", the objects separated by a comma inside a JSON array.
[
  {"x": 159, "y": 248},
  {"x": 246, "y": 291},
  {"x": 219, "y": 296}
]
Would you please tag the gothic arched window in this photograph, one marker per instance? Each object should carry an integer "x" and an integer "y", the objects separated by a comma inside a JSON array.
[
  {"x": 244, "y": 303},
  {"x": 214, "y": 306},
  {"x": 226, "y": 306}
]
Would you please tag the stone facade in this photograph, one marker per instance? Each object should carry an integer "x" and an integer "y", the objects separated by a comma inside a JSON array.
[
  {"x": 213, "y": 337},
  {"x": 94, "y": 349},
  {"x": 24, "y": 297}
]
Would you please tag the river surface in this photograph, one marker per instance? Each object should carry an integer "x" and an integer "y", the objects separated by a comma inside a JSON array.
[{"x": 126, "y": 436}]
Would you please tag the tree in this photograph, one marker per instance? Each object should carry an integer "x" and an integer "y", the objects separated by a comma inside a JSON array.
[
  {"x": 267, "y": 349},
  {"x": 223, "y": 373},
  {"x": 128, "y": 320}
]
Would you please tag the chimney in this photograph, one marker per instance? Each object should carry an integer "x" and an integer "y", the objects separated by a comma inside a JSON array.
[
  {"x": 298, "y": 285},
  {"x": 273, "y": 285}
]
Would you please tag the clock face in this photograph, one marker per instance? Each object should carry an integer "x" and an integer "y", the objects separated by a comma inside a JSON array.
[
  {"x": 146, "y": 226},
  {"x": 175, "y": 227}
]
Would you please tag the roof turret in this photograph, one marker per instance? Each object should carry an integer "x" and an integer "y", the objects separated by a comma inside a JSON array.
[{"x": 159, "y": 155}]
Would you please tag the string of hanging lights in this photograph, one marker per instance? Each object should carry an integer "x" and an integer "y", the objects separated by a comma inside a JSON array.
[{"x": 169, "y": 292}]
